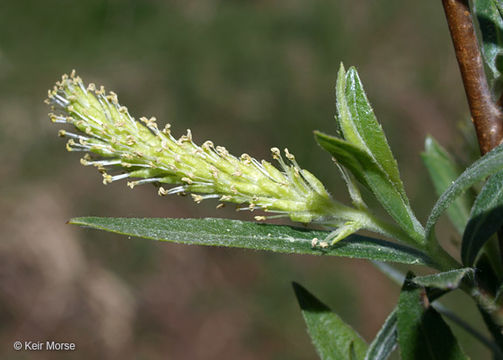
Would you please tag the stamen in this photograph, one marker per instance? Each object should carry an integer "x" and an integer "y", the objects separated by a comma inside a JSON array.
[
  {"x": 120, "y": 177},
  {"x": 132, "y": 184},
  {"x": 177, "y": 190}
]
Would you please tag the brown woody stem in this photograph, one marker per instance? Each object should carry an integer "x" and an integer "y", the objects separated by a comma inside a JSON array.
[{"x": 486, "y": 113}]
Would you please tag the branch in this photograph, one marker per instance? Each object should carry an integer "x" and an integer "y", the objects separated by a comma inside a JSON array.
[{"x": 486, "y": 114}]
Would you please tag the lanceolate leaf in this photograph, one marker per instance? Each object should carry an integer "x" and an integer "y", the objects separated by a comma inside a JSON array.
[
  {"x": 443, "y": 171},
  {"x": 489, "y": 164},
  {"x": 366, "y": 171},
  {"x": 386, "y": 340},
  {"x": 448, "y": 280},
  {"x": 491, "y": 30},
  {"x": 332, "y": 337},
  {"x": 422, "y": 333},
  {"x": 256, "y": 236},
  {"x": 360, "y": 127},
  {"x": 486, "y": 218}
]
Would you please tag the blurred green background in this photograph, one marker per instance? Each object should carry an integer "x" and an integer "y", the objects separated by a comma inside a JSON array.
[{"x": 248, "y": 75}]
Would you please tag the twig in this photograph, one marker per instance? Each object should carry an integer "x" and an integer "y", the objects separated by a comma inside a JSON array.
[{"x": 486, "y": 114}]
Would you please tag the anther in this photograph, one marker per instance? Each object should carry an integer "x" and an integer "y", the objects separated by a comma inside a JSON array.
[
  {"x": 189, "y": 135},
  {"x": 130, "y": 140},
  {"x": 213, "y": 171},
  {"x": 187, "y": 180},
  {"x": 107, "y": 179},
  {"x": 166, "y": 129},
  {"x": 197, "y": 198},
  {"x": 207, "y": 145},
  {"x": 246, "y": 159},
  {"x": 222, "y": 151},
  {"x": 288, "y": 155},
  {"x": 113, "y": 98},
  {"x": 275, "y": 153}
]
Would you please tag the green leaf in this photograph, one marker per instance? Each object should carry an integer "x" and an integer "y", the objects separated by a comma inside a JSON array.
[
  {"x": 489, "y": 164},
  {"x": 348, "y": 155},
  {"x": 368, "y": 173},
  {"x": 485, "y": 220},
  {"x": 256, "y": 236},
  {"x": 360, "y": 127},
  {"x": 332, "y": 337},
  {"x": 386, "y": 340},
  {"x": 422, "y": 333},
  {"x": 491, "y": 29},
  {"x": 443, "y": 171},
  {"x": 448, "y": 280}
]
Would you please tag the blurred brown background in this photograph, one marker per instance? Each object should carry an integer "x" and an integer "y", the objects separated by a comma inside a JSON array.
[{"x": 247, "y": 74}]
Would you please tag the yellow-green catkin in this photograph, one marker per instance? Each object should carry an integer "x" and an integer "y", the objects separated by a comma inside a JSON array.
[{"x": 144, "y": 153}]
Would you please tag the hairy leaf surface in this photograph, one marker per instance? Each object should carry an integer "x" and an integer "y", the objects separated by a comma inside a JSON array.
[{"x": 256, "y": 236}]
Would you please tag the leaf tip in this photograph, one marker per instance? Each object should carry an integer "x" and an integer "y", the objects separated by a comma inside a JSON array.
[
  {"x": 298, "y": 289},
  {"x": 75, "y": 221},
  {"x": 429, "y": 143},
  {"x": 306, "y": 300}
]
